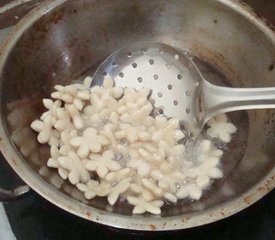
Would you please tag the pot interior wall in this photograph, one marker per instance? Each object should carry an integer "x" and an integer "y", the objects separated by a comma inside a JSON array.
[{"x": 71, "y": 41}]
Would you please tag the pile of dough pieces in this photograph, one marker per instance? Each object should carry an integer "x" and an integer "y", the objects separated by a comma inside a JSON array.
[{"x": 106, "y": 142}]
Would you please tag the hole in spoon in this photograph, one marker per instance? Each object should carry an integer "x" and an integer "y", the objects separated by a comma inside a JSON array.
[
  {"x": 161, "y": 111},
  {"x": 151, "y": 61},
  {"x": 121, "y": 74}
]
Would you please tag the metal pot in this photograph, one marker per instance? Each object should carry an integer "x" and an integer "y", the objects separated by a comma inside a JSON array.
[{"x": 62, "y": 40}]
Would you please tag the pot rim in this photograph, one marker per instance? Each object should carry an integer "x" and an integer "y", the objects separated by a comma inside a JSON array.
[{"x": 143, "y": 223}]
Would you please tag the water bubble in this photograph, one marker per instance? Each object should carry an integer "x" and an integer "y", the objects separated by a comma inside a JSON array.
[
  {"x": 178, "y": 185},
  {"x": 124, "y": 142},
  {"x": 168, "y": 66},
  {"x": 114, "y": 183},
  {"x": 118, "y": 157}
]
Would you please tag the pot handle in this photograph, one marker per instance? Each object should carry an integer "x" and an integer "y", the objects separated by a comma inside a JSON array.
[
  {"x": 12, "y": 187},
  {"x": 10, "y": 195}
]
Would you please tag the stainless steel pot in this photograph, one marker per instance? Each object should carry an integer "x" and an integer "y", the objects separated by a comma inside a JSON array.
[{"x": 62, "y": 40}]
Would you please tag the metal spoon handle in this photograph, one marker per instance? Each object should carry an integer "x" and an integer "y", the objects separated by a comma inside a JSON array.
[{"x": 225, "y": 99}]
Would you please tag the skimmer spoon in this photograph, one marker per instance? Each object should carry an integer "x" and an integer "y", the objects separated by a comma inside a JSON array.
[{"x": 178, "y": 88}]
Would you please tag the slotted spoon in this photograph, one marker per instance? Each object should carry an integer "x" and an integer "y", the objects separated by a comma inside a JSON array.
[{"x": 178, "y": 88}]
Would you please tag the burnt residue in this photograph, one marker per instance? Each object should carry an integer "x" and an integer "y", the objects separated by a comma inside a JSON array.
[
  {"x": 89, "y": 214},
  {"x": 56, "y": 17},
  {"x": 219, "y": 61},
  {"x": 271, "y": 67},
  {"x": 215, "y": 21},
  {"x": 153, "y": 227}
]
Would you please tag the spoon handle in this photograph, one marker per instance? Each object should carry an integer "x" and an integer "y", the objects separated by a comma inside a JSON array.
[{"x": 218, "y": 99}]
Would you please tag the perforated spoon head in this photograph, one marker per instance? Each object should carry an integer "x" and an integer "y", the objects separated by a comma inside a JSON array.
[{"x": 169, "y": 72}]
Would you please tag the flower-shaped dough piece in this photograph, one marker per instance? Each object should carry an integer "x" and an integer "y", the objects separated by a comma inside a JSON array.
[
  {"x": 66, "y": 136},
  {"x": 119, "y": 175},
  {"x": 76, "y": 169},
  {"x": 108, "y": 82},
  {"x": 170, "y": 197},
  {"x": 44, "y": 128},
  {"x": 118, "y": 189},
  {"x": 90, "y": 141},
  {"x": 221, "y": 128},
  {"x": 75, "y": 115},
  {"x": 53, "y": 160},
  {"x": 205, "y": 172},
  {"x": 208, "y": 157},
  {"x": 194, "y": 191},
  {"x": 52, "y": 107},
  {"x": 103, "y": 163},
  {"x": 63, "y": 120},
  {"x": 142, "y": 206},
  {"x": 203, "y": 181},
  {"x": 65, "y": 141},
  {"x": 208, "y": 153},
  {"x": 94, "y": 188},
  {"x": 132, "y": 95},
  {"x": 167, "y": 179},
  {"x": 143, "y": 168},
  {"x": 87, "y": 82},
  {"x": 167, "y": 131},
  {"x": 105, "y": 100},
  {"x": 211, "y": 171},
  {"x": 117, "y": 92},
  {"x": 176, "y": 154},
  {"x": 191, "y": 190},
  {"x": 152, "y": 186},
  {"x": 72, "y": 95}
]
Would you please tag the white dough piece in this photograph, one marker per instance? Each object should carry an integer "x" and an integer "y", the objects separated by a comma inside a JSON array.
[
  {"x": 87, "y": 82},
  {"x": 142, "y": 206},
  {"x": 102, "y": 164},
  {"x": 221, "y": 128},
  {"x": 75, "y": 168},
  {"x": 118, "y": 189},
  {"x": 89, "y": 142},
  {"x": 94, "y": 188}
]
